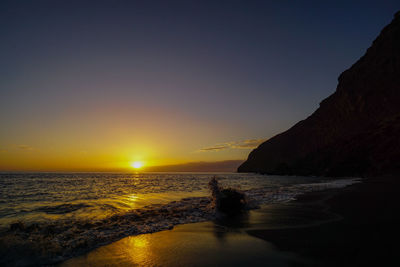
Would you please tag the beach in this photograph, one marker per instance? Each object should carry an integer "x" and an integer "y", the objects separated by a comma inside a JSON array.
[
  {"x": 352, "y": 226},
  {"x": 335, "y": 223},
  {"x": 52, "y": 226},
  {"x": 366, "y": 235},
  {"x": 227, "y": 241},
  {"x": 223, "y": 242},
  {"x": 198, "y": 244}
]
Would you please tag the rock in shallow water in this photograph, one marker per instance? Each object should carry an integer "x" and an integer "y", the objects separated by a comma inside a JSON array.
[{"x": 228, "y": 200}]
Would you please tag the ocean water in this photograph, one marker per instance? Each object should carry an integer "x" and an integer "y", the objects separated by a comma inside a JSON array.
[{"x": 61, "y": 215}]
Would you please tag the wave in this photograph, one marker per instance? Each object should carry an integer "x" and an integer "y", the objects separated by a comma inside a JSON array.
[
  {"x": 62, "y": 209},
  {"x": 55, "y": 241}
]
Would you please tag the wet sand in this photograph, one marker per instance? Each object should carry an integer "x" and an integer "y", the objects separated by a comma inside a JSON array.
[
  {"x": 199, "y": 244},
  {"x": 224, "y": 242},
  {"x": 367, "y": 234}
]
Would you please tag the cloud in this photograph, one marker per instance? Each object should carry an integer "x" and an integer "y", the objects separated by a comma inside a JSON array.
[
  {"x": 242, "y": 144},
  {"x": 249, "y": 143},
  {"x": 214, "y": 148},
  {"x": 25, "y": 147}
]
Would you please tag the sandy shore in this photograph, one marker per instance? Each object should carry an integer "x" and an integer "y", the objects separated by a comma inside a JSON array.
[
  {"x": 367, "y": 234},
  {"x": 223, "y": 242},
  {"x": 352, "y": 226},
  {"x": 197, "y": 244}
]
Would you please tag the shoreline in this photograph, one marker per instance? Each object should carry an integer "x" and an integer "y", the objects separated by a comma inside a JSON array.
[
  {"x": 364, "y": 236},
  {"x": 217, "y": 242},
  {"x": 308, "y": 210}
]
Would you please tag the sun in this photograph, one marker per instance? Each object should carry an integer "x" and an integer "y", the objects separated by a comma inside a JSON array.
[{"x": 137, "y": 164}]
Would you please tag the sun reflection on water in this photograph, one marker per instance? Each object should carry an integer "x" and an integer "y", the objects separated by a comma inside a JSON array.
[{"x": 133, "y": 197}]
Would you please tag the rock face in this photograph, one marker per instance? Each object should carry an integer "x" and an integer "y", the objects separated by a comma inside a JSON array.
[{"x": 355, "y": 131}]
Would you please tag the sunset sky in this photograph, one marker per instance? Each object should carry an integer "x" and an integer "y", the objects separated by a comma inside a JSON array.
[{"x": 97, "y": 85}]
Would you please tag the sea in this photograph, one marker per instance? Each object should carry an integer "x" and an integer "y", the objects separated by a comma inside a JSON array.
[{"x": 62, "y": 215}]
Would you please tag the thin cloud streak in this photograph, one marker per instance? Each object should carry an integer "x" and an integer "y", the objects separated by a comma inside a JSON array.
[
  {"x": 214, "y": 148},
  {"x": 242, "y": 144}
]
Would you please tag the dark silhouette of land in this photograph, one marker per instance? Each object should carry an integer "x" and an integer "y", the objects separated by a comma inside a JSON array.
[
  {"x": 199, "y": 166},
  {"x": 355, "y": 131}
]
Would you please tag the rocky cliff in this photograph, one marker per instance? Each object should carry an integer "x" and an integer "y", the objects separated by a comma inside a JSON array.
[{"x": 355, "y": 131}]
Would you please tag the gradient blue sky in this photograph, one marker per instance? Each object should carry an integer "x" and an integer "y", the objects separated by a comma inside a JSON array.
[{"x": 99, "y": 83}]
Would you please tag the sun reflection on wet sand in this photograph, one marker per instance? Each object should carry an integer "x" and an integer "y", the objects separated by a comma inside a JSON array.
[
  {"x": 136, "y": 249},
  {"x": 199, "y": 244}
]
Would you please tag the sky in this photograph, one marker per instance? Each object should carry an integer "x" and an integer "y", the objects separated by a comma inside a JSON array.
[{"x": 97, "y": 85}]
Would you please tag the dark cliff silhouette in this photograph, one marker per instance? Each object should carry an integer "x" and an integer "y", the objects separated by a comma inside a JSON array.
[{"x": 355, "y": 131}]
